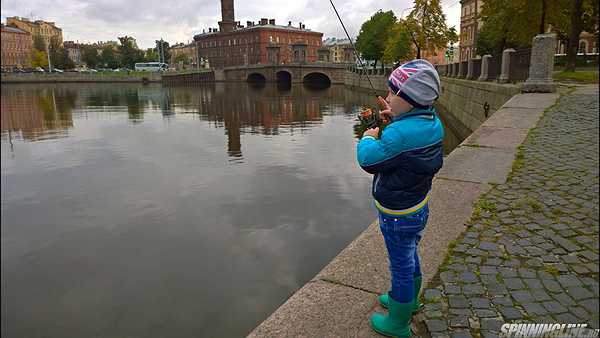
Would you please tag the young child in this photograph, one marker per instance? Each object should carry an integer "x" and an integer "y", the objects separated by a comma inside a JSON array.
[{"x": 404, "y": 162}]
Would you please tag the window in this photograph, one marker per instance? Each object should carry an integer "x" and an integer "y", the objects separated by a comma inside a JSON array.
[{"x": 582, "y": 47}]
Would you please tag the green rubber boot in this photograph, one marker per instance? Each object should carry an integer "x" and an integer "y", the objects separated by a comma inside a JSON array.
[
  {"x": 384, "y": 299},
  {"x": 396, "y": 323}
]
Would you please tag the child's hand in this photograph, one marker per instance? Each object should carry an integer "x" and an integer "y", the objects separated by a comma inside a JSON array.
[
  {"x": 372, "y": 132},
  {"x": 386, "y": 115}
]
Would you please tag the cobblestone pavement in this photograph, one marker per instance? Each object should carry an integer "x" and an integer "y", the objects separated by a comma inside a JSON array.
[{"x": 531, "y": 252}]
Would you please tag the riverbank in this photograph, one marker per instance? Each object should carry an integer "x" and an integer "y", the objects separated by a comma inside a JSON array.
[
  {"x": 79, "y": 77},
  {"x": 339, "y": 300}
]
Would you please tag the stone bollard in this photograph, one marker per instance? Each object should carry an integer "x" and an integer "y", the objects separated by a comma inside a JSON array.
[
  {"x": 485, "y": 68},
  {"x": 454, "y": 69},
  {"x": 462, "y": 69},
  {"x": 541, "y": 65},
  {"x": 450, "y": 70},
  {"x": 505, "y": 72},
  {"x": 470, "y": 69}
]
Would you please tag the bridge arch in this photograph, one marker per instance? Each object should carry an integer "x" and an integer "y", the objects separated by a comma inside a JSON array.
[
  {"x": 317, "y": 79},
  {"x": 256, "y": 77},
  {"x": 283, "y": 76}
]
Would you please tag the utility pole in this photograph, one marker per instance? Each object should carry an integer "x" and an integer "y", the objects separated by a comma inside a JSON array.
[
  {"x": 48, "y": 52},
  {"x": 162, "y": 49}
]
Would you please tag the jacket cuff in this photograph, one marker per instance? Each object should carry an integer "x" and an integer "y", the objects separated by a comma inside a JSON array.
[{"x": 367, "y": 137}]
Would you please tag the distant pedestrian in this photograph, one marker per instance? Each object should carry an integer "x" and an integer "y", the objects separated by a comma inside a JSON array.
[{"x": 404, "y": 161}]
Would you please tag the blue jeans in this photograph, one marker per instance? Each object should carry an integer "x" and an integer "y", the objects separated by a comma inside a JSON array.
[{"x": 402, "y": 235}]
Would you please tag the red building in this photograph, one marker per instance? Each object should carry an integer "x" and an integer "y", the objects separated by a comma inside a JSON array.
[
  {"x": 16, "y": 47},
  {"x": 264, "y": 42}
]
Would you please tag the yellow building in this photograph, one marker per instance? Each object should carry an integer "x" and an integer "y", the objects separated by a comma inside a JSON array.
[
  {"x": 190, "y": 53},
  {"x": 47, "y": 30},
  {"x": 340, "y": 50}
]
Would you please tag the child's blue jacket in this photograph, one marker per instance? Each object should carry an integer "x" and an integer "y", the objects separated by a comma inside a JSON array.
[{"x": 404, "y": 160}]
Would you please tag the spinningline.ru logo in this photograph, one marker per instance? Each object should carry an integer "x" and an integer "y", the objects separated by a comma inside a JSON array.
[{"x": 547, "y": 330}]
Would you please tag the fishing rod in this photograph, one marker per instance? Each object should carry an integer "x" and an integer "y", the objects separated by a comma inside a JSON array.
[{"x": 367, "y": 117}]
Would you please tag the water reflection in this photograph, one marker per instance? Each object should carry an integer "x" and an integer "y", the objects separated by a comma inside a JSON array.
[{"x": 143, "y": 211}]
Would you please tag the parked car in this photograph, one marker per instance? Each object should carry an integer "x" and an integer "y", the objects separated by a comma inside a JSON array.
[
  {"x": 56, "y": 70},
  {"x": 39, "y": 70}
]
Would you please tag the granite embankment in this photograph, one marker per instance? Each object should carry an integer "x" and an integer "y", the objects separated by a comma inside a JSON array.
[{"x": 338, "y": 301}]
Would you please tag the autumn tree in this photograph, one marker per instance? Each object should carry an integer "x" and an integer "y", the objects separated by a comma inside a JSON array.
[
  {"x": 374, "y": 35},
  {"x": 426, "y": 25}
]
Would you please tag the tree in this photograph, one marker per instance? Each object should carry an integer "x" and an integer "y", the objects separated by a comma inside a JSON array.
[
  {"x": 426, "y": 24},
  {"x": 39, "y": 43},
  {"x": 151, "y": 55},
  {"x": 39, "y": 58},
  {"x": 129, "y": 51},
  {"x": 163, "y": 50},
  {"x": 89, "y": 55},
  {"x": 108, "y": 57},
  {"x": 374, "y": 35},
  {"x": 584, "y": 16},
  {"x": 398, "y": 46},
  {"x": 181, "y": 58}
]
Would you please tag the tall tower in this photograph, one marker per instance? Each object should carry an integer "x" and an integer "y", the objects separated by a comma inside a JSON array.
[{"x": 228, "y": 20}]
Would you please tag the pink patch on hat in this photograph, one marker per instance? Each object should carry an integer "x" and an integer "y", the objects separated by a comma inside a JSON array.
[{"x": 400, "y": 75}]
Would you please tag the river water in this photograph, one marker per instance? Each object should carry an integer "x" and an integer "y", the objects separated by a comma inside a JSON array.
[{"x": 144, "y": 211}]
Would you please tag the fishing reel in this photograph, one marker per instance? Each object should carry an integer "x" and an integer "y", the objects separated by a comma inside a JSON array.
[{"x": 371, "y": 119}]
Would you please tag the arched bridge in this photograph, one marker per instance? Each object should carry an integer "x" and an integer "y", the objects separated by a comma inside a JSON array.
[{"x": 322, "y": 73}]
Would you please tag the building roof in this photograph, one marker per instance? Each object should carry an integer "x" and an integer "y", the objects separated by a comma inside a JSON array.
[
  {"x": 330, "y": 42},
  {"x": 13, "y": 29},
  {"x": 259, "y": 26}
]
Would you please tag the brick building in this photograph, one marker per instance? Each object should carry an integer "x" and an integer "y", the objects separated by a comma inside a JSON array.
[
  {"x": 469, "y": 27},
  {"x": 47, "y": 30},
  {"x": 264, "y": 42},
  {"x": 15, "y": 47}
]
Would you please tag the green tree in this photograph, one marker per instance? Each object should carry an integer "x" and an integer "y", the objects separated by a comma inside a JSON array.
[
  {"x": 426, "y": 24},
  {"x": 39, "y": 58},
  {"x": 163, "y": 51},
  {"x": 374, "y": 35},
  {"x": 39, "y": 43},
  {"x": 398, "y": 46},
  {"x": 151, "y": 55},
  {"x": 108, "y": 57},
  {"x": 129, "y": 51},
  {"x": 89, "y": 55}
]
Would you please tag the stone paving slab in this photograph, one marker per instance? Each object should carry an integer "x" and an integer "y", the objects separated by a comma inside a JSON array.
[
  {"x": 321, "y": 309},
  {"x": 478, "y": 164},
  {"x": 497, "y": 137},
  {"x": 522, "y": 118},
  {"x": 362, "y": 264},
  {"x": 535, "y": 101}
]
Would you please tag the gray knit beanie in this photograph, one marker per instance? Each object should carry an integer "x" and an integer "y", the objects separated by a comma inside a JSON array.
[{"x": 417, "y": 82}]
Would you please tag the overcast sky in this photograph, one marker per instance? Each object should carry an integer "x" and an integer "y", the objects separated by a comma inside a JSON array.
[{"x": 178, "y": 21}]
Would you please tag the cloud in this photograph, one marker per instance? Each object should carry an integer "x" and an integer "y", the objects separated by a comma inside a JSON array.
[{"x": 178, "y": 21}]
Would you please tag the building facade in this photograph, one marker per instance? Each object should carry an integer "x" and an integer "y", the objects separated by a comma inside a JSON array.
[
  {"x": 15, "y": 47},
  {"x": 469, "y": 27},
  {"x": 264, "y": 42},
  {"x": 74, "y": 51},
  {"x": 189, "y": 52},
  {"x": 47, "y": 30},
  {"x": 587, "y": 44},
  {"x": 340, "y": 50}
]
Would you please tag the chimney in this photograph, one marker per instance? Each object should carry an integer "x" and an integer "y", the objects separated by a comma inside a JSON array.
[
  {"x": 227, "y": 22},
  {"x": 300, "y": 25},
  {"x": 263, "y": 21},
  {"x": 289, "y": 23},
  {"x": 272, "y": 22},
  {"x": 248, "y": 23}
]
